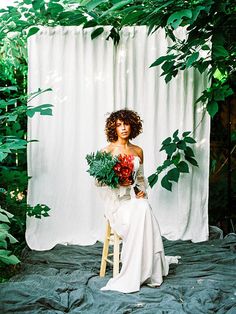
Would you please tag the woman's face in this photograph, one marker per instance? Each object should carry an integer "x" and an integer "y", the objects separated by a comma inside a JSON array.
[{"x": 123, "y": 129}]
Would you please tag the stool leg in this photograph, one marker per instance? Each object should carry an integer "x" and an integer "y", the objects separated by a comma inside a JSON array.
[
  {"x": 105, "y": 251},
  {"x": 116, "y": 257}
]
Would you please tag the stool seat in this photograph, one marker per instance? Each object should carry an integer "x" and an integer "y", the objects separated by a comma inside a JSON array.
[{"x": 112, "y": 238}]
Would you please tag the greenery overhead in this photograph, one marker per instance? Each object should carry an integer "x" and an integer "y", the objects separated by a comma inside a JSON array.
[{"x": 210, "y": 44}]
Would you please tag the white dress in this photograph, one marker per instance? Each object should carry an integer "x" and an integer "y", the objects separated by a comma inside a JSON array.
[{"x": 142, "y": 255}]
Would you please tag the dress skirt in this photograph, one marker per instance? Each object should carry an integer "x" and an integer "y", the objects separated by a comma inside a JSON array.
[{"x": 142, "y": 256}]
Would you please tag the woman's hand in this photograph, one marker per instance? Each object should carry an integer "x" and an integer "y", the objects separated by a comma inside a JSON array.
[
  {"x": 127, "y": 182},
  {"x": 140, "y": 194}
]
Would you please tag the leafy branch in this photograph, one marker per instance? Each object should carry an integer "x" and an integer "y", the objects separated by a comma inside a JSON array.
[
  {"x": 209, "y": 45},
  {"x": 13, "y": 141},
  {"x": 5, "y": 255},
  {"x": 38, "y": 211},
  {"x": 179, "y": 155}
]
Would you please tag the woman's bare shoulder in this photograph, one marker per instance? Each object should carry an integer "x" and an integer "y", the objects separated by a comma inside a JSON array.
[
  {"x": 139, "y": 151},
  {"x": 107, "y": 149}
]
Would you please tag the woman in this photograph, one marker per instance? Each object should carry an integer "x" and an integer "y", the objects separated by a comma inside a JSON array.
[{"x": 129, "y": 212}]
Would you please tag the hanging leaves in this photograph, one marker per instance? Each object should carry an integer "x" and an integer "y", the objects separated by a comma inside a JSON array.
[
  {"x": 177, "y": 18},
  {"x": 179, "y": 154},
  {"x": 32, "y": 31},
  {"x": 91, "y": 5},
  {"x": 152, "y": 179},
  {"x": 98, "y": 31},
  {"x": 190, "y": 60}
]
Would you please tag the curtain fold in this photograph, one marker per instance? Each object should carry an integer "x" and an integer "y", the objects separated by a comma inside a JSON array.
[{"x": 90, "y": 78}]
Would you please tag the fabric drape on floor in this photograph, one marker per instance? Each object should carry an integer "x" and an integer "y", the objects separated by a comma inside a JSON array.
[
  {"x": 88, "y": 79},
  {"x": 65, "y": 280}
]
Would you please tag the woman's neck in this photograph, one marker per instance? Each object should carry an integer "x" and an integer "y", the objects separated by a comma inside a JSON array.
[{"x": 123, "y": 143}]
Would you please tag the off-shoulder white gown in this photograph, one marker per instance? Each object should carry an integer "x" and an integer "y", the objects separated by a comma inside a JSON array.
[{"x": 142, "y": 256}]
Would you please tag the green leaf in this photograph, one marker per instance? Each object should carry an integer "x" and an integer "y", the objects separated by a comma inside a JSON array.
[
  {"x": 181, "y": 144},
  {"x": 2, "y": 156},
  {"x": 8, "y": 89},
  {"x": 189, "y": 152},
  {"x": 44, "y": 109},
  {"x": 12, "y": 239},
  {"x": 212, "y": 108},
  {"x": 162, "y": 59},
  {"x": 166, "y": 66},
  {"x": 4, "y": 218},
  {"x": 175, "y": 133},
  {"x": 159, "y": 169},
  {"x": 170, "y": 149},
  {"x": 152, "y": 179},
  {"x": 194, "y": 56},
  {"x": 38, "y": 211},
  {"x": 32, "y": 31},
  {"x": 219, "y": 75},
  {"x": 167, "y": 163},
  {"x": 55, "y": 8},
  {"x": 4, "y": 228},
  {"x": 189, "y": 139},
  {"x": 168, "y": 77},
  {"x": 115, "y": 7},
  {"x": 12, "y": 118},
  {"x": 205, "y": 47},
  {"x": 176, "y": 139},
  {"x": 91, "y": 5},
  {"x": 183, "y": 167},
  {"x": 173, "y": 175},
  {"x": 90, "y": 23},
  {"x": 186, "y": 133},
  {"x": 37, "y": 4},
  {"x": 219, "y": 51},
  {"x": 3, "y": 244},
  {"x": 97, "y": 32},
  {"x": 158, "y": 61},
  {"x": 195, "y": 12},
  {"x": 166, "y": 141},
  {"x": 176, "y": 18},
  {"x": 192, "y": 161},
  {"x": 166, "y": 184},
  {"x": 175, "y": 159},
  {"x": 132, "y": 17},
  {"x": 202, "y": 66},
  {"x": 8, "y": 259},
  {"x": 46, "y": 112}
]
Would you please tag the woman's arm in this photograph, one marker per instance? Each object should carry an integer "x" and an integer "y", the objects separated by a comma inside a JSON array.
[{"x": 140, "y": 176}]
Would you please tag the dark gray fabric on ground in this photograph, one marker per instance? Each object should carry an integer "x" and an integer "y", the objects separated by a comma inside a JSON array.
[{"x": 65, "y": 280}]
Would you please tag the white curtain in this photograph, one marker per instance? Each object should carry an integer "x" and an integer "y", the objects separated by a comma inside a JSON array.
[{"x": 90, "y": 78}]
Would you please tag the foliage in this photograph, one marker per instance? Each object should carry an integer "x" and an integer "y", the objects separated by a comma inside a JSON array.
[
  {"x": 12, "y": 141},
  {"x": 14, "y": 109},
  {"x": 5, "y": 255},
  {"x": 101, "y": 167},
  {"x": 38, "y": 211},
  {"x": 209, "y": 46},
  {"x": 179, "y": 154}
]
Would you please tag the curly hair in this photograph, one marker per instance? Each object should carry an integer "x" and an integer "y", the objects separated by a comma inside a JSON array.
[{"x": 128, "y": 116}]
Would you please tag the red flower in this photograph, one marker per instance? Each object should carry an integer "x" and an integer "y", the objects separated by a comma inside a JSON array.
[{"x": 124, "y": 167}]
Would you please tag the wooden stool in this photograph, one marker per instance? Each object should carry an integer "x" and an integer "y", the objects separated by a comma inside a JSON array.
[{"x": 115, "y": 239}]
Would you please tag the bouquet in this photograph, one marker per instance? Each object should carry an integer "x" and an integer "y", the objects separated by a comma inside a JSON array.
[{"x": 110, "y": 170}]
